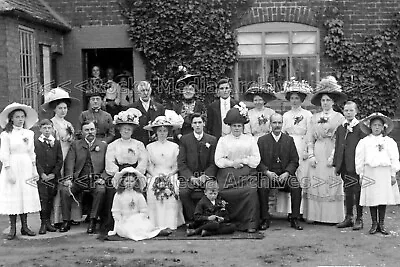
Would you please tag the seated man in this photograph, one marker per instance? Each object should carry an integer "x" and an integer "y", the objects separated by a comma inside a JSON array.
[
  {"x": 84, "y": 170},
  {"x": 195, "y": 163},
  {"x": 279, "y": 162}
]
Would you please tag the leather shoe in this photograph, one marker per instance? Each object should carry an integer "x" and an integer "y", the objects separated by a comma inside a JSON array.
[
  {"x": 42, "y": 229},
  {"x": 265, "y": 224},
  {"x": 381, "y": 228},
  {"x": 374, "y": 229},
  {"x": 348, "y": 222},
  {"x": 294, "y": 223},
  {"x": 358, "y": 225},
  {"x": 251, "y": 230},
  {"x": 65, "y": 227},
  {"x": 50, "y": 227},
  {"x": 92, "y": 226}
]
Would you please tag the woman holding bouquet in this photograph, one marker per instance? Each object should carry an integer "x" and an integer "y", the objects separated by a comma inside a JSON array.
[
  {"x": 259, "y": 115},
  {"x": 59, "y": 101},
  {"x": 164, "y": 206},
  {"x": 324, "y": 196}
]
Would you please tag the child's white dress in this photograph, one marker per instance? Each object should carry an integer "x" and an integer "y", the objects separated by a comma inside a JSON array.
[
  {"x": 130, "y": 214},
  {"x": 377, "y": 160}
]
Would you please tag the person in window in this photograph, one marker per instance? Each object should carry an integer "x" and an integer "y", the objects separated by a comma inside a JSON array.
[
  {"x": 125, "y": 81},
  {"x": 260, "y": 114},
  {"x": 296, "y": 123},
  {"x": 237, "y": 156},
  {"x": 113, "y": 93},
  {"x": 17, "y": 154},
  {"x": 324, "y": 201},
  {"x": 95, "y": 82},
  {"x": 217, "y": 111}
]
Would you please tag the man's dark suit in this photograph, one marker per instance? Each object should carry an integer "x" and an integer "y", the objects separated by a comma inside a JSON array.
[
  {"x": 289, "y": 162},
  {"x": 155, "y": 110},
  {"x": 195, "y": 158},
  {"x": 214, "y": 121}
]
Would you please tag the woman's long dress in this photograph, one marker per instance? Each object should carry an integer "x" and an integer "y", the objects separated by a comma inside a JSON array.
[
  {"x": 296, "y": 123},
  {"x": 17, "y": 151},
  {"x": 129, "y": 210},
  {"x": 239, "y": 186},
  {"x": 166, "y": 213},
  {"x": 259, "y": 122},
  {"x": 377, "y": 160},
  {"x": 324, "y": 197},
  {"x": 62, "y": 134}
]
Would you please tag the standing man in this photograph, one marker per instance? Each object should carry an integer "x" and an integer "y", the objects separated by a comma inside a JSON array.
[
  {"x": 348, "y": 135},
  {"x": 103, "y": 120},
  {"x": 84, "y": 170},
  {"x": 113, "y": 93},
  {"x": 216, "y": 112},
  {"x": 195, "y": 163},
  {"x": 150, "y": 110},
  {"x": 279, "y": 162}
]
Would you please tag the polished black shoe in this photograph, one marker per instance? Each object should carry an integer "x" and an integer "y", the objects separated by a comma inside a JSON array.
[
  {"x": 348, "y": 222},
  {"x": 92, "y": 226},
  {"x": 294, "y": 223},
  {"x": 27, "y": 231},
  {"x": 251, "y": 230},
  {"x": 42, "y": 230},
  {"x": 265, "y": 224},
  {"x": 382, "y": 229},
  {"x": 374, "y": 229},
  {"x": 50, "y": 227},
  {"x": 65, "y": 226},
  {"x": 358, "y": 225}
]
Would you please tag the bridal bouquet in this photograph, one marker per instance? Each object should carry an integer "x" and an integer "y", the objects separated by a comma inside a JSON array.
[{"x": 163, "y": 188}]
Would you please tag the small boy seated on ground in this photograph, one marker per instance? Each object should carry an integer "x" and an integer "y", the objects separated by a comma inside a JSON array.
[{"x": 211, "y": 214}]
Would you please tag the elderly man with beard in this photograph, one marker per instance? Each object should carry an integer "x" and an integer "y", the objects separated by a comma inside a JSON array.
[
  {"x": 279, "y": 162},
  {"x": 84, "y": 170}
]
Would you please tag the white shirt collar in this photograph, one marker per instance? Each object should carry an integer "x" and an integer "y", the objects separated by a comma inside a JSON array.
[
  {"x": 198, "y": 136},
  {"x": 276, "y": 137},
  {"x": 90, "y": 143},
  {"x": 228, "y": 100},
  {"x": 353, "y": 123},
  {"x": 42, "y": 137}
]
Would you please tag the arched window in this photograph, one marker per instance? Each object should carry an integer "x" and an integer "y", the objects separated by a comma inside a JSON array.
[{"x": 273, "y": 52}]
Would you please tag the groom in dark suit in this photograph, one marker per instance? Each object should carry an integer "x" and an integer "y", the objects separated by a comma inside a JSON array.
[
  {"x": 279, "y": 162},
  {"x": 150, "y": 110},
  {"x": 195, "y": 163},
  {"x": 348, "y": 135}
]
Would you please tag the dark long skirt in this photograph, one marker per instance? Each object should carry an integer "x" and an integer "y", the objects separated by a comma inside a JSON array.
[{"x": 239, "y": 188}]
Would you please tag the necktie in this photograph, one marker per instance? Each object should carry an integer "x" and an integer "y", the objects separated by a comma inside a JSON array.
[
  {"x": 346, "y": 125},
  {"x": 47, "y": 140}
]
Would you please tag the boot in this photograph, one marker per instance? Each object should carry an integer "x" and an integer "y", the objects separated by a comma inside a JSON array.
[
  {"x": 358, "y": 225},
  {"x": 13, "y": 227},
  {"x": 381, "y": 224},
  {"x": 24, "y": 225},
  {"x": 42, "y": 229},
  {"x": 374, "y": 219},
  {"x": 92, "y": 226},
  {"x": 50, "y": 227},
  {"x": 348, "y": 222}
]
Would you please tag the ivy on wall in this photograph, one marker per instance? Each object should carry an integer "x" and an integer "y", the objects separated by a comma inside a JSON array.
[
  {"x": 369, "y": 71},
  {"x": 198, "y": 34}
]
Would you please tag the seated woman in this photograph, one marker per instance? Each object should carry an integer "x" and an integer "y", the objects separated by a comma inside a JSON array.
[
  {"x": 165, "y": 208},
  {"x": 237, "y": 156}
]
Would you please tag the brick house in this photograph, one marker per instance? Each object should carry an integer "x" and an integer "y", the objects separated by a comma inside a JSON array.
[{"x": 277, "y": 39}]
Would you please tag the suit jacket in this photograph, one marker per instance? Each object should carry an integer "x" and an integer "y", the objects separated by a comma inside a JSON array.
[
  {"x": 345, "y": 148},
  {"x": 214, "y": 121},
  {"x": 76, "y": 158},
  {"x": 191, "y": 159},
  {"x": 48, "y": 159},
  {"x": 154, "y": 111},
  {"x": 104, "y": 121},
  {"x": 205, "y": 208},
  {"x": 288, "y": 153}
]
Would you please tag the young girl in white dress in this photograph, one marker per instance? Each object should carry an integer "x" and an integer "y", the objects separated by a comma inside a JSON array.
[
  {"x": 129, "y": 208},
  {"x": 377, "y": 162}
]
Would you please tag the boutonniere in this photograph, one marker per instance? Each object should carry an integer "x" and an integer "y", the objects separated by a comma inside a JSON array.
[
  {"x": 262, "y": 119},
  {"x": 97, "y": 148},
  {"x": 207, "y": 145},
  {"x": 132, "y": 204},
  {"x": 380, "y": 147},
  {"x": 153, "y": 107},
  {"x": 70, "y": 130},
  {"x": 25, "y": 139},
  {"x": 223, "y": 204},
  {"x": 298, "y": 119},
  {"x": 323, "y": 120}
]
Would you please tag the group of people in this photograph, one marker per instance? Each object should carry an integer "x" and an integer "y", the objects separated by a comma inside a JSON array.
[{"x": 210, "y": 169}]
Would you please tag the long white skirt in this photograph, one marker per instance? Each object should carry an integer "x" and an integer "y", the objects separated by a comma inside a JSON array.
[{"x": 137, "y": 227}]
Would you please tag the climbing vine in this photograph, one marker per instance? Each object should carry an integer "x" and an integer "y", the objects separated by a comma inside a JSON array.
[{"x": 369, "y": 71}]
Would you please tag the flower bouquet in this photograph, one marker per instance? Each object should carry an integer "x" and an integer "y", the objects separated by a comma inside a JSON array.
[
  {"x": 262, "y": 120},
  {"x": 163, "y": 188}
]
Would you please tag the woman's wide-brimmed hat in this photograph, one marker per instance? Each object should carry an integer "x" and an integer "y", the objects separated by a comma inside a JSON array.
[
  {"x": 31, "y": 114},
  {"x": 57, "y": 94},
  {"x": 365, "y": 124},
  {"x": 328, "y": 86},
  {"x": 302, "y": 88},
  {"x": 140, "y": 177},
  {"x": 171, "y": 119},
  {"x": 186, "y": 78},
  {"x": 129, "y": 116},
  {"x": 238, "y": 114},
  {"x": 263, "y": 90}
]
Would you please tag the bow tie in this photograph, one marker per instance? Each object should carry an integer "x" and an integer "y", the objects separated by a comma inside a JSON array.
[
  {"x": 95, "y": 110},
  {"x": 346, "y": 125}
]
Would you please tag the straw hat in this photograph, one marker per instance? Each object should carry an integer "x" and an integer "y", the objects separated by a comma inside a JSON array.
[
  {"x": 129, "y": 116},
  {"x": 141, "y": 178},
  {"x": 31, "y": 114},
  {"x": 56, "y": 94},
  {"x": 263, "y": 90},
  {"x": 328, "y": 86},
  {"x": 171, "y": 119},
  {"x": 365, "y": 124},
  {"x": 237, "y": 114},
  {"x": 302, "y": 88}
]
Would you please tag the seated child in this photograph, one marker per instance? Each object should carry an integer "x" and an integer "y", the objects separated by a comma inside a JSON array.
[
  {"x": 211, "y": 214},
  {"x": 129, "y": 208}
]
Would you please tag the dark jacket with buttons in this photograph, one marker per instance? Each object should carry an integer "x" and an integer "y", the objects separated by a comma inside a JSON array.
[{"x": 49, "y": 159}]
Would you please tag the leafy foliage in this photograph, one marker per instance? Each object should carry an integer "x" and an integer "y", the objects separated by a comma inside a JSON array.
[
  {"x": 198, "y": 34},
  {"x": 369, "y": 71}
]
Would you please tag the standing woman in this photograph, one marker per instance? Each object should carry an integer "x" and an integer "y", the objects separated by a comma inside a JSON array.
[
  {"x": 164, "y": 207},
  {"x": 59, "y": 101},
  {"x": 259, "y": 115},
  {"x": 296, "y": 123},
  {"x": 17, "y": 153},
  {"x": 324, "y": 197},
  {"x": 377, "y": 162}
]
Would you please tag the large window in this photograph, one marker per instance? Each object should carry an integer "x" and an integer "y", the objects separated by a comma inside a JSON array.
[
  {"x": 28, "y": 80},
  {"x": 274, "y": 52}
]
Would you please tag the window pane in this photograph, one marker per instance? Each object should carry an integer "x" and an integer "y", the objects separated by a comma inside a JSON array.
[
  {"x": 248, "y": 50},
  {"x": 249, "y": 71},
  {"x": 277, "y": 72},
  {"x": 277, "y": 38},
  {"x": 305, "y": 69},
  {"x": 277, "y": 49},
  {"x": 249, "y": 38},
  {"x": 304, "y": 49},
  {"x": 305, "y": 37}
]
